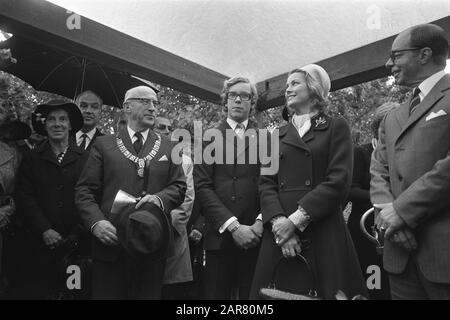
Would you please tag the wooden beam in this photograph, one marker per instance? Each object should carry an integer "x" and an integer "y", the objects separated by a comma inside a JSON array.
[
  {"x": 347, "y": 69},
  {"x": 45, "y": 23}
]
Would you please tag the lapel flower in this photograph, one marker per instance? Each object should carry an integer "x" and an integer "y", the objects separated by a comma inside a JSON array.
[{"x": 319, "y": 121}]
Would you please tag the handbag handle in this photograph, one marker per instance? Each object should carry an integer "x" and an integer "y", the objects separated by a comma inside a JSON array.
[{"x": 300, "y": 257}]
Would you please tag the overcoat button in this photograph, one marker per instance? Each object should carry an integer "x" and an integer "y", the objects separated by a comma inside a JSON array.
[{"x": 307, "y": 183}]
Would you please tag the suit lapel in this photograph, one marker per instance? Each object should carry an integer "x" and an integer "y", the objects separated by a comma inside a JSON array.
[
  {"x": 229, "y": 138},
  {"x": 246, "y": 140},
  {"x": 123, "y": 134},
  {"x": 96, "y": 134},
  {"x": 430, "y": 100},
  {"x": 402, "y": 113},
  {"x": 148, "y": 145}
]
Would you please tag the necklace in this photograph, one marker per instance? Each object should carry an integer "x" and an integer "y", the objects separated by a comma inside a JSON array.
[{"x": 140, "y": 162}]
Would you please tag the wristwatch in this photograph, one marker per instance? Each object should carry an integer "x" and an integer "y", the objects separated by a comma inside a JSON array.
[{"x": 235, "y": 226}]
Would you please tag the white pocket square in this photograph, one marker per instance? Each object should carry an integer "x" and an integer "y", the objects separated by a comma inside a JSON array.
[
  {"x": 433, "y": 115},
  {"x": 163, "y": 158}
]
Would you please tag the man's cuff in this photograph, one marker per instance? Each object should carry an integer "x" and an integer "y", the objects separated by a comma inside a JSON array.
[
  {"x": 300, "y": 219},
  {"x": 381, "y": 205},
  {"x": 259, "y": 217},
  {"x": 227, "y": 224},
  {"x": 161, "y": 203}
]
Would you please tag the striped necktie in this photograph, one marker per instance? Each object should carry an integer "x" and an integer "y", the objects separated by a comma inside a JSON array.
[
  {"x": 83, "y": 142},
  {"x": 239, "y": 130},
  {"x": 414, "y": 101},
  {"x": 138, "y": 143}
]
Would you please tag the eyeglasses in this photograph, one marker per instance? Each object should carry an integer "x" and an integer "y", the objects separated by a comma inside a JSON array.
[
  {"x": 164, "y": 127},
  {"x": 244, "y": 96},
  {"x": 394, "y": 54},
  {"x": 145, "y": 102}
]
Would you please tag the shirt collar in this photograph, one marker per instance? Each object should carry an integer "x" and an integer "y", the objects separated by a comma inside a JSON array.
[
  {"x": 428, "y": 84},
  {"x": 131, "y": 132},
  {"x": 233, "y": 123},
  {"x": 90, "y": 134}
]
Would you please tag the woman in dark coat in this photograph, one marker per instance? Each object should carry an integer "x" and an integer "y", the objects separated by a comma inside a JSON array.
[
  {"x": 302, "y": 203},
  {"x": 45, "y": 199}
]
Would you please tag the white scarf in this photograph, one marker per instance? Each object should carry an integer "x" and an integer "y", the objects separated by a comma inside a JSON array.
[{"x": 302, "y": 123}]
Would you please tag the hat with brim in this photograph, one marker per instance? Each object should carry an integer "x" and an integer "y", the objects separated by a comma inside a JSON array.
[
  {"x": 144, "y": 233},
  {"x": 39, "y": 116},
  {"x": 15, "y": 130}
]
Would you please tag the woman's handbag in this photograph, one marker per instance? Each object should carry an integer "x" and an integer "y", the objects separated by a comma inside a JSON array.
[{"x": 292, "y": 279}]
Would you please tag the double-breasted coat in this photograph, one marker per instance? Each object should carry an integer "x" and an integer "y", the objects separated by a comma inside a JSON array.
[{"x": 315, "y": 172}]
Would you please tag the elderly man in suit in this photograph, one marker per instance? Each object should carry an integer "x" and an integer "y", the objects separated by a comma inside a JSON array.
[
  {"x": 228, "y": 193},
  {"x": 410, "y": 169},
  {"x": 121, "y": 162},
  {"x": 90, "y": 105}
]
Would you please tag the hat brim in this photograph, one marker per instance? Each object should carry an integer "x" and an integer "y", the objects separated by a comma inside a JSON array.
[
  {"x": 75, "y": 116},
  {"x": 123, "y": 228},
  {"x": 15, "y": 130}
]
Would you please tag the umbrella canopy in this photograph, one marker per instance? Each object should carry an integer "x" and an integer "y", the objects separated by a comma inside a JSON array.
[{"x": 63, "y": 73}]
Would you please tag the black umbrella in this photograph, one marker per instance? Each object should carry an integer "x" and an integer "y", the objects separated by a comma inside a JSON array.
[{"x": 56, "y": 71}]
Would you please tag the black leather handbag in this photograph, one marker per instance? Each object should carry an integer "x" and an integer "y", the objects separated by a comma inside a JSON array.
[{"x": 292, "y": 279}]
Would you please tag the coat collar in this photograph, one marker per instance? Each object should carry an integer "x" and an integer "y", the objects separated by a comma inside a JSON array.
[
  {"x": 289, "y": 134},
  {"x": 73, "y": 153},
  {"x": 433, "y": 97}
]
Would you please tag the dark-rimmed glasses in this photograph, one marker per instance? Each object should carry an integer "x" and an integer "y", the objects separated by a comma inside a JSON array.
[
  {"x": 244, "y": 96},
  {"x": 394, "y": 54},
  {"x": 145, "y": 102}
]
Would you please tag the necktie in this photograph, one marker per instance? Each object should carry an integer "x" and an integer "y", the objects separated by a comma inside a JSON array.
[
  {"x": 83, "y": 142},
  {"x": 138, "y": 143},
  {"x": 414, "y": 101},
  {"x": 239, "y": 130}
]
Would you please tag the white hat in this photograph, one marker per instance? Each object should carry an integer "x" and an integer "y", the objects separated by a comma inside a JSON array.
[
  {"x": 141, "y": 92},
  {"x": 320, "y": 75}
]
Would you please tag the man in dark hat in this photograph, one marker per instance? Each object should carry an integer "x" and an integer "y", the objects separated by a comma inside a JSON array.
[
  {"x": 46, "y": 180},
  {"x": 90, "y": 105},
  {"x": 136, "y": 161}
]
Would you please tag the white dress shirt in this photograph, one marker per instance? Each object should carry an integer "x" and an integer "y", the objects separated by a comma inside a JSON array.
[
  {"x": 90, "y": 136},
  {"x": 428, "y": 84},
  {"x": 233, "y": 125},
  {"x": 133, "y": 138}
]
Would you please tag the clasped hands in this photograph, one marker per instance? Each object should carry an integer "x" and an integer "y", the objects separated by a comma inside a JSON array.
[
  {"x": 247, "y": 237},
  {"x": 283, "y": 230},
  {"x": 105, "y": 230},
  {"x": 394, "y": 227}
]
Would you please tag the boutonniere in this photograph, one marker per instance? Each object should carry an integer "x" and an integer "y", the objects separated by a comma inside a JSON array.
[{"x": 319, "y": 121}]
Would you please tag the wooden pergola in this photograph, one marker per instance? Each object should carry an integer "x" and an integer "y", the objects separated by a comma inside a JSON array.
[{"x": 45, "y": 23}]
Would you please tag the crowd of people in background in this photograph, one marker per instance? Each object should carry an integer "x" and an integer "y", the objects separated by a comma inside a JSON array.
[{"x": 140, "y": 225}]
